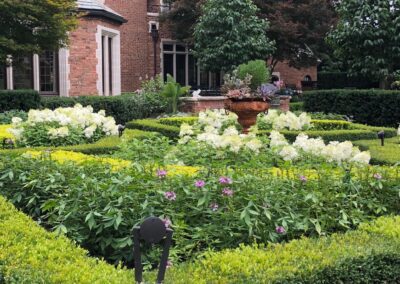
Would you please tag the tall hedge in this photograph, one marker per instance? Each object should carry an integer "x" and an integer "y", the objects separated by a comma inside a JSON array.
[
  {"x": 19, "y": 100},
  {"x": 336, "y": 80},
  {"x": 373, "y": 107}
]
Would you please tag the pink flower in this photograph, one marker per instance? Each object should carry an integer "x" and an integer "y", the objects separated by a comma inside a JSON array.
[
  {"x": 214, "y": 206},
  {"x": 377, "y": 176},
  {"x": 167, "y": 222},
  {"x": 161, "y": 173},
  {"x": 200, "y": 183},
  {"x": 303, "y": 178},
  {"x": 227, "y": 192},
  {"x": 225, "y": 180},
  {"x": 280, "y": 230},
  {"x": 170, "y": 195}
]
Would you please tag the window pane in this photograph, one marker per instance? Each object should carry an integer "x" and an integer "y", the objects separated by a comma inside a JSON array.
[
  {"x": 192, "y": 72},
  {"x": 204, "y": 80},
  {"x": 110, "y": 63},
  {"x": 180, "y": 48},
  {"x": 48, "y": 71},
  {"x": 181, "y": 69},
  {"x": 168, "y": 65},
  {"x": 23, "y": 73},
  {"x": 168, "y": 47},
  {"x": 2, "y": 77}
]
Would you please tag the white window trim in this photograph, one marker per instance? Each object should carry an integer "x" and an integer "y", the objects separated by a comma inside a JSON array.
[
  {"x": 116, "y": 60},
  {"x": 63, "y": 72}
]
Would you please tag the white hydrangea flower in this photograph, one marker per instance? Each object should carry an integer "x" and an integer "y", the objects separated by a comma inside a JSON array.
[
  {"x": 16, "y": 132},
  {"x": 16, "y": 121},
  {"x": 230, "y": 131},
  {"x": 254, "y": 145},
  {"x": 60, "y": 132},
  {"x": 289, "y": 153},
  {"x": 186, "y": 129},
  {"x": 362, "y": 158},
  {"x": 89, "y": 131},
  {"x": 184, "y": 140},
  {"x": 277, "y": 139}
]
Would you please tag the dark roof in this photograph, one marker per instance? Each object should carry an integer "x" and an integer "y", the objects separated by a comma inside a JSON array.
[{"x": 95, "y": 8}]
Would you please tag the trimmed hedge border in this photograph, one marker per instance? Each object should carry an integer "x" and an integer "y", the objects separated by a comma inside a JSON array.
[
  {"x": 19, "y": 100},
  {"x": 170, "y": 127},
  {"x": 372, "y": 107},
  {"x": 30, "y": 254},
  {"x": 386, "y": 155},
  {"x": 370, "y": 254},
  {"x": 103, "y": 146}
]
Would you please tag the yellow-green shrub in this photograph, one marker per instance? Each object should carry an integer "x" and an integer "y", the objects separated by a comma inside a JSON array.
[{"x": 29, "y": 254}]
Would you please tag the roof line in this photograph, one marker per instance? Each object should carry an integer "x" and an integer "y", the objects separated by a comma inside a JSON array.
[{"x": 104, "y": 14}]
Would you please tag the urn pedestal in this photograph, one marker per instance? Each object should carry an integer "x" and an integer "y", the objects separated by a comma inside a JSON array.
[{"x": 247, "y": 111}]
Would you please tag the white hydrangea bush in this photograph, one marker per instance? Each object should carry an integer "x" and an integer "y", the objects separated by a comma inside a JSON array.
[
  {"x": 219, "y": 130},
  {"x": 284, "y": 121},
  {"x": 334, "y": 152},
  {"x": 62, "y": 126}
]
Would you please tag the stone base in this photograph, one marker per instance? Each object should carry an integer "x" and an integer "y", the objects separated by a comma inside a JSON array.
[
  {"x": 284, "y": 104},
  {"x": 198, "y": 104}
]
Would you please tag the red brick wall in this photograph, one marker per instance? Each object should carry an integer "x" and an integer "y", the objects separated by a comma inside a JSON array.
[
  {"x": 82, "y": 56},
  {"x": 293, "y": 76},
  {"x": 134, "y": 41}
]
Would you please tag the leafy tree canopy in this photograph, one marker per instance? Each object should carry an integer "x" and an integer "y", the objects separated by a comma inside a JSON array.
[
  {"x": 29, "y": 26},
  {"x": 229, "y": 33},
  {"x": 367, "y": 37}
]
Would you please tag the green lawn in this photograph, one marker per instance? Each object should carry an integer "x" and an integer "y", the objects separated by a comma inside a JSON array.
[{"x": 388, "y": 154}]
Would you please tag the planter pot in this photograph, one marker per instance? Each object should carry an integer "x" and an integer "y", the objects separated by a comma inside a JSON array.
[{"x": 247, "y": 111}]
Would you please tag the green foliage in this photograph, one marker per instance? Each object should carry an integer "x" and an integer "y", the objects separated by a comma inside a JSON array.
[
  {"x": 172, "y": 91},
  {"x": 97, "y": 207},
  {"x": 230, "y": 33},
  {"x": 19, "y": 100},
  {"x": 123, "y": 108},
  {"x": 6, "y": 117},
  {"x": 105, "y": 145},
  {"x": 154, "y": 125},
  {"x": 29, "y": 254},
  {"x": 33, "y": 26},
  {"x": 373, "y": 107},
  {"x": 368, "y": 255},
  {"x": 389, "y": 154},
  {"x": 297, "y": 106},
  {"x": 366, "y": 37},
  {"x": 178, "y": 121},
  {"x": 258, "y": 70}
]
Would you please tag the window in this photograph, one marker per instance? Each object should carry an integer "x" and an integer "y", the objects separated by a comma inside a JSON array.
[
  {"x": 3, "y": 77},
  {"x": 48, "y": 72},
  {"x": 178, "y": 61},
  {"x": 23, "y": 72},
  {"x": 307, "y": 78},
  {"x": 107, "y": 63}
]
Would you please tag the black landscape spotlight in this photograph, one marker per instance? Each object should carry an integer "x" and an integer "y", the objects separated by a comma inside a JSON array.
[
  {"x": 121, "y": 129},
  {"x": 152, "y": 231},
  {"x": 381, "y": 135},
  {"x": 8, "y": 143}
]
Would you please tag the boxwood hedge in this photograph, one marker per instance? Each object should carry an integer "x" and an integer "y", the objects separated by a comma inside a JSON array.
[
  {"x": 373, "y": 107},
  {"x": 29, "y": 254},
  {"x": 19, "y": 100},
  {"x": 369, "y": 255}
]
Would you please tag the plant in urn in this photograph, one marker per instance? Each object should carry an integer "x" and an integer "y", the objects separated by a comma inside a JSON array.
[{"x": 246, "y": 92}]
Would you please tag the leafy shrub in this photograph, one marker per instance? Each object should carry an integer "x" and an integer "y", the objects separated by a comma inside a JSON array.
[
  {"x": 178, "y": 121},
  {"x": 123, "y": 108},
  {"x": 339, "y": 80},
  {"x": 155, "y": 126},
  {"x": 331, "y": 124},
  {"x": 19, "y": 100},
  {"x": 258, "y": 70},
  {"x": 372, "y": 107},
  {"x": 29, "y": 254},
  {"x": 368, "y": 255},
  {"x": 6, "y": 117},
  {"x": 172, "y": 91},
  {"x": 97, "y": 207},
  {"x": 297, "y": 106}
]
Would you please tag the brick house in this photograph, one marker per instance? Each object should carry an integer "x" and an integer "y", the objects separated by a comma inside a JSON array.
[{"x": 117, "y": 43}]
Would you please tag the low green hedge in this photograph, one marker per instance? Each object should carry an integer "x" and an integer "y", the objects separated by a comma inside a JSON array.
[
  {"x": 372, "y": 107},
  {"x": 19, "y": 100},
  {"x": 369, "y": 255},
  {"x": 178, "y": 121},
  {"x": 155, "y": 125},
  {"x": 103, "y": 146},
  {"x": 388, "y": 154},
  {"x": 355, "y": 132},
  {"x": 30, "y": 254}
]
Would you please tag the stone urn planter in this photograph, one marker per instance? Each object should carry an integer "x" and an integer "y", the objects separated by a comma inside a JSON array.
[{"x": 246, "y": 110}]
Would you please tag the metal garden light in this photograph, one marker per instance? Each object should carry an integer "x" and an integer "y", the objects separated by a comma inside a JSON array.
[
  {"x": 152, "y": 231},
  {"x": 381, "y": 135}
]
